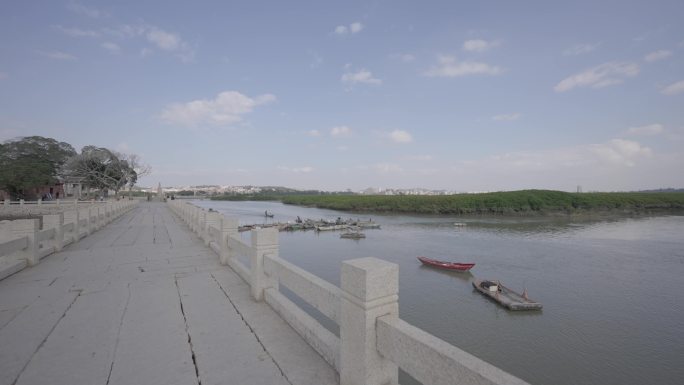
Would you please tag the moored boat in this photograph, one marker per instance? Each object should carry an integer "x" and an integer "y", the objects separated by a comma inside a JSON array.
[
  {"x": 353, "y": 235},
  {"x": 331, "y": 227},
  {"x": 505, "y": 296},
  {"x": 456, "y": 266}
]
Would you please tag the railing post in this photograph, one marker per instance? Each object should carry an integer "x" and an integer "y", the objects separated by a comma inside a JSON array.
[
  {"x": 7, "y": 202},
  {"x": 213, "y": 219},
  {"x": 55, "y": 221},
  {"x": 21, "y": 203},
  {"x": 27, "y": 228},
  {"x": 39, "y": 201},
  {"x": 71, "y": 216},
  {"x": 229, "y": 228},
  {"x": 370, "y": 288},
  {"x": 264, "y": 241},
  {"x": 84, "y": 216}
]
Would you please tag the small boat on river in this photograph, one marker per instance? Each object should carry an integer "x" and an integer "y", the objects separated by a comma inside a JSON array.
[
  {"x": 268, "y": 215},
  {"x": 353, "y": 235},
  {"x": 456, "y": 266},
  {"x": 505, "y": 296}
]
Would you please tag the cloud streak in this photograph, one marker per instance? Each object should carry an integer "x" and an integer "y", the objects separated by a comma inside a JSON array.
[
  {"x": 400, "y": 136},
  {"x": 507, "y": 117},
  {"x": 449, "y": 67},
  {"x": 340, "y": 131},
  {"x": 674, "y": 88},
  {"x": 57, "y": 55},
  {"x": 581, "y": 49},
  {"x": 657, "y": 56},
  {"x": 362, "y": 76},
  {"x": 352, "y": 29},
  {"x": 479, "y": 45},
  {"x": 603, "y": 75},
  {"x": 651, "y": 129}
]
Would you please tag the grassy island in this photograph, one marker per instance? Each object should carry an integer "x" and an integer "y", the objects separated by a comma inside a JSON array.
[{"x": 525, "y": 202}]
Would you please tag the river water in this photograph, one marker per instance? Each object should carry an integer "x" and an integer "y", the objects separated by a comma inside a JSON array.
[{"x": 613, "y": 290}]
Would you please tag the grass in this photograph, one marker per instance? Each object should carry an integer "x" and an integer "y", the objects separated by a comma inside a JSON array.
[{"x": 525, "y": 202}]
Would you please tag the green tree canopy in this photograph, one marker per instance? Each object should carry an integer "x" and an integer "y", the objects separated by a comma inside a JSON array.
[{"x": 31, "y": 161}]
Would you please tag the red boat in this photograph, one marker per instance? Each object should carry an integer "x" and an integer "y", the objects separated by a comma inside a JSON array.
[{"x": 446, "y": 265}]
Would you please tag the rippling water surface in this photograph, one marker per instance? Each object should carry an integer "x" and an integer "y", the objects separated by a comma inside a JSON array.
[{"x": 613, "y": 290}]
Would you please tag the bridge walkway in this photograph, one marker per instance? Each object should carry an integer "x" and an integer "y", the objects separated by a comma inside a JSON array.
[{"x": 143, "y": 301}]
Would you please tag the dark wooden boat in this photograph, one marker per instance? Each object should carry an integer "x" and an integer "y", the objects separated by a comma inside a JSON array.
[
  {"x": 446, "y": 265},
  {"x": 505, "y": 296},
  {"x": 353, "y": 235}
]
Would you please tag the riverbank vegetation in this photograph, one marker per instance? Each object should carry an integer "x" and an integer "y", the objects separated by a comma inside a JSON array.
[{"x": 525, "y": 202}]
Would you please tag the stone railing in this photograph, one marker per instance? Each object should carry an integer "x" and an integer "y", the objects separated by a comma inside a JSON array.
[
  {"x": 22, "y": 207},
  {"x": 24, "y": 242},
  {"x": 373, "y": 341}
]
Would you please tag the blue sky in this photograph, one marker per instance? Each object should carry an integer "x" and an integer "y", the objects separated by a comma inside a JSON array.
[{"x": 465, "y": 96}]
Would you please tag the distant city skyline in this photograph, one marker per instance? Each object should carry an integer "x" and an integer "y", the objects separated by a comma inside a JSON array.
[{"x": 444, "y": 95}]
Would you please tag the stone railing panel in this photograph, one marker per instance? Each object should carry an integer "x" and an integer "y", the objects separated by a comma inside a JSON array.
[
  {"x": 433, "y": 361},
  {"x": 320, "y": 294}
]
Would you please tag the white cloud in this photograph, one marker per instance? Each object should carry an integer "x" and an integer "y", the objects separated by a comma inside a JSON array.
[
  {"x": 297, "y": 170},
  {"x": 57, "y": 55},
  {"x": 313, "y": 133},
  {"x": 353, "y": 28},
  {"x": 657, "y": 55},
  {"x": 400, "y": 136},
  {"x": 111, "y": 47},
  {"x": 361, "y": 76},
  {"x": 86, "y": 11},
  {"x": 674, "y": 88},
  {"x": 600, "y": 76},
  {"x": 580, "y": 49},
  {"x": 227, "y": 108},
  {"x": 651, "y": 129},
  {"x": 76, "y": 32},
  {"x": 340, "y": 131},
  {"x": 620, "y": 152},
  {"x": 507, "y": 117},
  {"x": 479, "y": 45},
  {"x": 164, "y": 40},
  {"x": 450, "y": 67}
]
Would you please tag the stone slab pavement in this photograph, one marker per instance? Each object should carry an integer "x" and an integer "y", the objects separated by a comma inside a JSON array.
[{"x": 143, "y": 301}]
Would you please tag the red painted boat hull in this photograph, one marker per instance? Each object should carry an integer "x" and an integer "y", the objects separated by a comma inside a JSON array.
[{"x": 446, "y": 265}]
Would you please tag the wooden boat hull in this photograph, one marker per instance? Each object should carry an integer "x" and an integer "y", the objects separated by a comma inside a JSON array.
[
  {"x": 353, "y": 235},
  {"x": 454, "y": 266},
  {"x": 506, "y": 297}
]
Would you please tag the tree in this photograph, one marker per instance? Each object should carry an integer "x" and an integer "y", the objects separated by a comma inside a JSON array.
[
  {"x": 100, "y": 168},
  {"x": 31, "y": 161},
  {"x": 136, "y": 170}
]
